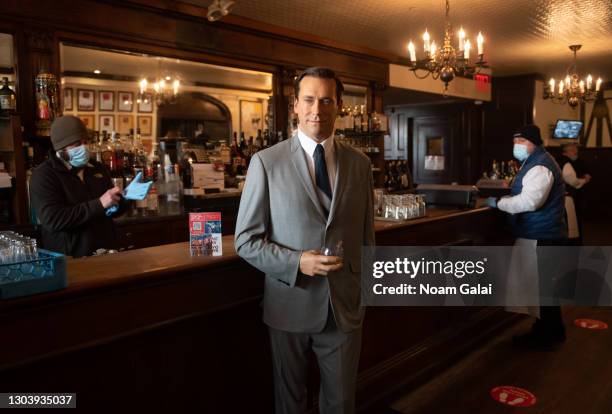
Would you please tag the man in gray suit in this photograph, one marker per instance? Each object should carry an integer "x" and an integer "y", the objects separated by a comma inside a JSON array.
[{"x": 300, "y": 195}]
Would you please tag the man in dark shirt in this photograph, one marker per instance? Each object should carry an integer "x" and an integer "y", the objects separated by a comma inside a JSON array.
[{"x": 71, "y": 194}]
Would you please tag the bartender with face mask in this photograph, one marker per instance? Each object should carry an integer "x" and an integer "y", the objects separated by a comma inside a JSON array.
[
  {"x": 73, "y": 195},
  {"x": 537, "y": 219}
]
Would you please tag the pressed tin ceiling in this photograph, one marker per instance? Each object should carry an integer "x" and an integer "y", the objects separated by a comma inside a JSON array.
[{"x": 521, "y": 36}]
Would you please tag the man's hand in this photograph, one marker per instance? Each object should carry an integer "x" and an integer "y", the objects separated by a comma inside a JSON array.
[
  {"x": 312, "y": 263},
  {"x": 111, "y": 197},
  {"x": 587, "y": 177}
]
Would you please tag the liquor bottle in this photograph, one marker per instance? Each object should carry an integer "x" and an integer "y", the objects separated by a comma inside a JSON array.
[
  {"x": 258, "y": 141},
  {"x": 364, "y": 120},
  {"x": 117, "y": 152},
  {"x": 242, "y": 145},
  {"x": 155, "y": 164},
  {"x": 356, "y": 120},
  {"x": 251, "y": 149},
  {"x": 8, "y": 98}
]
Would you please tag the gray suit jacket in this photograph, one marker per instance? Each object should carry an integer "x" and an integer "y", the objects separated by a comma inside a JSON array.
[{"x": 280, "y": 216}]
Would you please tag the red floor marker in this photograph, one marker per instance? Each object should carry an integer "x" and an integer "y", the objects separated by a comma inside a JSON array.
[
  {"x": 513, "y": 396},
  {"x": 590, "y": 324}
]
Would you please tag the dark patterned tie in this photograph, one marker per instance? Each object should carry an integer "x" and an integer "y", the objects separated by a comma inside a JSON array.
[{"x": 321, "y": 171}]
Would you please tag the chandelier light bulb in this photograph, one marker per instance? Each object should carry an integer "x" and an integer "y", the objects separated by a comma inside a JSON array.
[
  {"x": 466, "y": 52},
  {"x": 480, "y": 42},
  {"x": 551, "y": 84},
  {"x": 175, "y": 86},
  {"x": 143, "y": 85},
  {"x": 461, "y": 38},
  {"x": 156, "y": 87},
  {"x": 434, "y": 49},
  {"x": 411, "y": 51},
  {"x": 426, "y": 39},
  {"x": 561, "y": 86},
  {"x": 568, "y": 81},
  {"x": 581, "y": 84},
  {"x": 598, "y": 84},
  {"x": 589, "y": 82}
]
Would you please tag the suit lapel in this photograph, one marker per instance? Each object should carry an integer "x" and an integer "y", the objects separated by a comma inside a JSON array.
[
  {"x": 299, "y": 162},
  {"x": 341, "y": 170}
]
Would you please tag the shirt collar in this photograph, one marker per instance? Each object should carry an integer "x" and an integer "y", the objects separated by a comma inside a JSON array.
[{"x": 309, "y": 145}]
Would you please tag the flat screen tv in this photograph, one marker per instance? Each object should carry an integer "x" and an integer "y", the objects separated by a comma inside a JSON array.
[{"x": 567, "y": 129}]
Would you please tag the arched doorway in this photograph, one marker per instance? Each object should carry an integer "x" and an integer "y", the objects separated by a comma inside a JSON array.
[{"x": 190, "y": 110}]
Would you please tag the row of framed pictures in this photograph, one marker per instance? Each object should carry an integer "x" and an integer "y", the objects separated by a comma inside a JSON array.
[
  {"x": 123, "y": 126},
  {"x": 86, "y": 101}
]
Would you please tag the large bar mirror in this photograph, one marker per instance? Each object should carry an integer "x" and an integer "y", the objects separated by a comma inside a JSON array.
[{"x": 163, "y": 97}]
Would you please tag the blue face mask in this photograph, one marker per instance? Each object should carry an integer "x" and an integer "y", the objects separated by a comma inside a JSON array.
[
  {"x": 79, "y": 156},
  {"x": 520, "y": 152}
]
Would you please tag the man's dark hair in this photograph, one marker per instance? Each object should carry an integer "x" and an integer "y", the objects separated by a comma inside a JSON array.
[{"x": 318, "y": 72}]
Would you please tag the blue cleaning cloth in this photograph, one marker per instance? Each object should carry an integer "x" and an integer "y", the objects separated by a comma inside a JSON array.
[{"x": 137, "y": 190}]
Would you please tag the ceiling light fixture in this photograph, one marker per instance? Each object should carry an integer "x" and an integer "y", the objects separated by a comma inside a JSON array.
[
  {"x": 219, "y": 8},
  {"x": 163, "y": 91},
  {"x": 572, "y": 89},
  {"x": 97, "y": 71},
  {"x": 446, "y": 62}
]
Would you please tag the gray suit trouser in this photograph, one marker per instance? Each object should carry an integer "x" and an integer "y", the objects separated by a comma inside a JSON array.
[{"x": 337, "y": 356}]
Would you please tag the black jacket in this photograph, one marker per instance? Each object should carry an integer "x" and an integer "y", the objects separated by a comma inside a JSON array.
[{"x": 69, "y": 210}]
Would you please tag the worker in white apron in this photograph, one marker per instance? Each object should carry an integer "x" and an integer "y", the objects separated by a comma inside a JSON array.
[
  {"x": 537, "y": 218},
  {"x": 575, "y": 175}
]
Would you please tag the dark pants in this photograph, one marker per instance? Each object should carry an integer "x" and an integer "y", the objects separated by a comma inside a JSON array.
[
  {"x": 550, "y": 264},
  {"x": 337, "y": 356}
]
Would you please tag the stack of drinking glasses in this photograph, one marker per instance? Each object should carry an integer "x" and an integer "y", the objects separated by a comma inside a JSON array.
[
  {"x": 18, "y": 255},
  {"x": 403, "y": 207}
]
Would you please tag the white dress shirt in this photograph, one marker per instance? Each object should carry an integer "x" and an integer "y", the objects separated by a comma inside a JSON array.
[
  {"x": 537, "y": 183},
  {"x": 309, "y": 145},
  {"x": 569, "y": 176}
]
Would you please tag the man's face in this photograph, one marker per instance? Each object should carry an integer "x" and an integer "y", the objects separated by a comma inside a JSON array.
[
  {"x": 316, "y": 107},
  {"x": 570, "y": 151},
  {"x": 530, "y": 145}
]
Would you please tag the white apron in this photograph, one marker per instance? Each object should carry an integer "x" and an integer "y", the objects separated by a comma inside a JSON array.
[
  {"x": 522, "y": 283},
  {"x": 572, "y": 220}
]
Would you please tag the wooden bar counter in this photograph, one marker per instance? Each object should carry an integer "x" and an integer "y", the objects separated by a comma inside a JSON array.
[{"x": 157, "y": 329}]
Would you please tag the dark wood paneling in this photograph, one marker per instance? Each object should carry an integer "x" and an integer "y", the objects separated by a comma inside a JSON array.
[
  {"x": 510, "y": 108},
  {"x": 458, "y": 122}
]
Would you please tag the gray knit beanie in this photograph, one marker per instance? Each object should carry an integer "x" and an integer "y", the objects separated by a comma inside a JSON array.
[{"x": 67, "y": 130}]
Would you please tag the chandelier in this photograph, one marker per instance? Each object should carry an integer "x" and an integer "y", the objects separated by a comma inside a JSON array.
[
  {"x": 572, "y": 89},
  {"x": 163, "y": 90},
  {"x": 447, "y": 62}
]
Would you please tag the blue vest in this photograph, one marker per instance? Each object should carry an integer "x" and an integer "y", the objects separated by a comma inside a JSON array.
[{"x": 547, "y": 222}]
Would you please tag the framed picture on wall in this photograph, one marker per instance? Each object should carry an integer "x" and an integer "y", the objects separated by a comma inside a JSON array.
[
  {"x": 107, "y": 123},
  {"x": 251, "y": 117},
  {"x": 106, "y": 100},
  {"x": 145, "y": 105},
  {"x": 145, "y": 124},
  {"x": 68, "y": 106},
  {"x": 86, "y": 100},
  {"x": 88, "y": 120},
  {"x": 126, "y": 101},
  {"x": 124, "y": 123}
]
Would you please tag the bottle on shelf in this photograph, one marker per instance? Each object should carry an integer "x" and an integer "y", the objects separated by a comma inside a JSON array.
[
  {"x": 8, "y": 98},
  {"x": 364, "y": 119}
]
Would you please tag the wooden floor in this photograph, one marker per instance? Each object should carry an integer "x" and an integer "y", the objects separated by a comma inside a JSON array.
[{"x": 574, "y": 378}]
